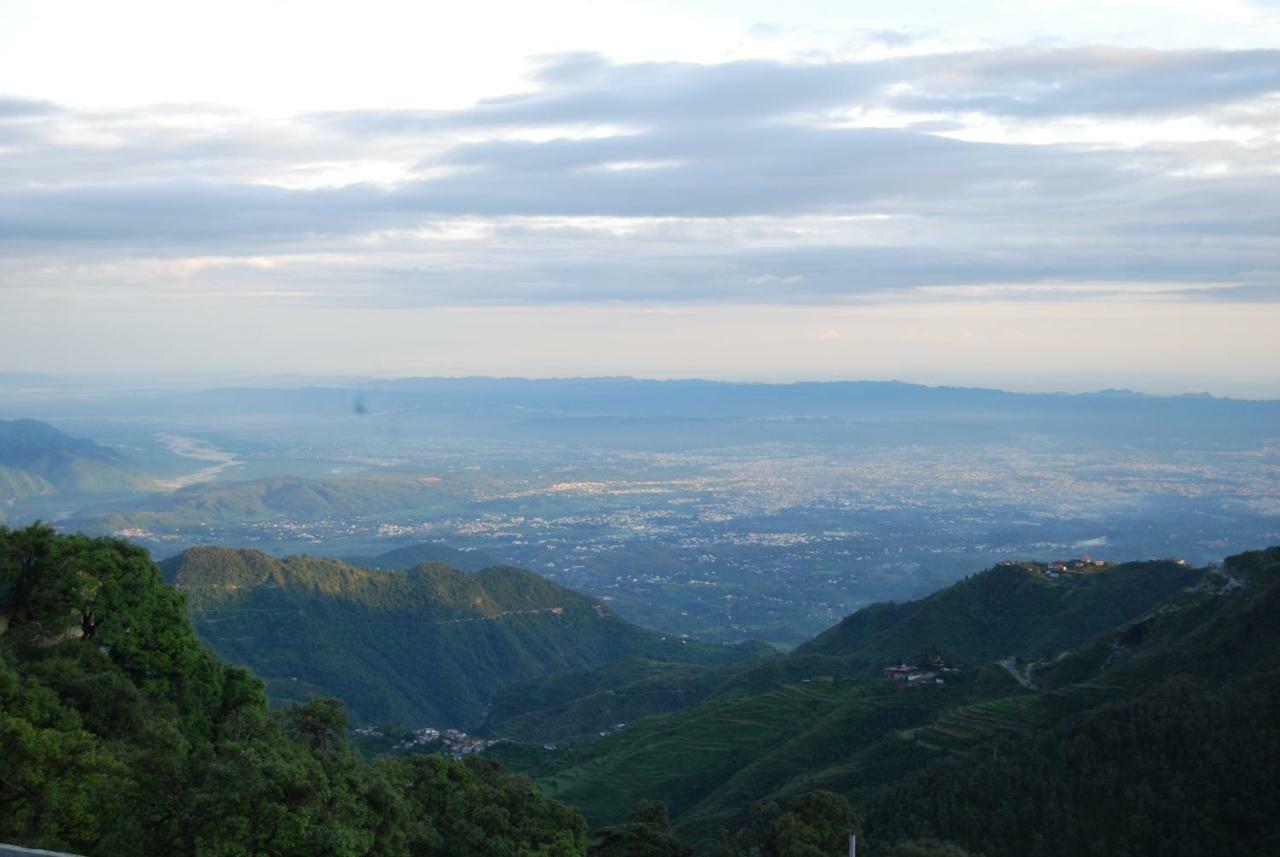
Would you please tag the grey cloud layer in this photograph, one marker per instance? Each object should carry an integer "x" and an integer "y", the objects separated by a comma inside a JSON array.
[
  {"x": 585, "y": 88},
  {"x": 757, "y": 139}
]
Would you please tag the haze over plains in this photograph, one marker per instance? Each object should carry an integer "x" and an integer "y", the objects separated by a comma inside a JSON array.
[{"x": 1039, "y": 196}]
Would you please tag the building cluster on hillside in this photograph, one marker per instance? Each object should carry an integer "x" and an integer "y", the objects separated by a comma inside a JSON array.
[
  {"x": 913, "y": 675},
  {"x": 1082, "y": 565},
  {"x": 458, "y": 743},
  {"x": 1055, "y": 568},
  {"x": 421, "y": 737},
  {"x": 451, "y": 742}
]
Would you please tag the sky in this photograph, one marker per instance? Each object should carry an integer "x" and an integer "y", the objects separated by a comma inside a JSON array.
[{"x": 1034, "y": 195}]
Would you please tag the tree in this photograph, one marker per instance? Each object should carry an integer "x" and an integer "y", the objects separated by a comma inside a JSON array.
[
  {"x": 647, "y": 834},
  {"x": 319, "y": 724},
  {"x": 120, "y": 733}
]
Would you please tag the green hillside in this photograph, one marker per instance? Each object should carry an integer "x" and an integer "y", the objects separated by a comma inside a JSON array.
[
  {"x": 1161, "y": 737},
  {"x": 1007, "y": 610},
  {"x": 428, "y": 645},
  {"x": 36, "y": 460},
  {"x": 710, "y": 761},
  {"x": 122, "y": 734},
  {"x": 584, "y": 704},
  {"x": 816, "y": 718}
]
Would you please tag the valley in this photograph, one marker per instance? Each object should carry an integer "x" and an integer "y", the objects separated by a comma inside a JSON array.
[
  {"x": 821, "y": 717},
  {"x": 733, "y": 610},
  {"x": 640, "y": 429},
  {"x": 743, "y": 512},
  {"x": 893, "y": 706}
]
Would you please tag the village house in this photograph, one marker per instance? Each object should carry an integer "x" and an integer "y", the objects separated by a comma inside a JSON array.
[{"x": 898, "y": 673}]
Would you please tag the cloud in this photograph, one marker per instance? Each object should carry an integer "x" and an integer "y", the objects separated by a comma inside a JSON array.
[
  {"x": 585, "y": 88},
  {"x": 1091, "y": 81},
  {"x": 24, "y": 108},
  {"x": 753, "y": 180}
]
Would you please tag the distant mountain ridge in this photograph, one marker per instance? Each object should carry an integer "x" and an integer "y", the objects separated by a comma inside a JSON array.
[
  {"x": 484, "y": 403},
  {"x": 37, "y": 459},
  {"x": 428, "y": 645},
  {"x": 270, "y": 498}
]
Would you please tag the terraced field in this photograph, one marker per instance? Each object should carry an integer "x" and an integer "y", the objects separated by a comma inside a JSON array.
[
  {"x": 711, "y": 761},
  {"x": 1093, "y": 691},
  {"x": 683, "y": 756},
  {"x": 960, "y": 729}
]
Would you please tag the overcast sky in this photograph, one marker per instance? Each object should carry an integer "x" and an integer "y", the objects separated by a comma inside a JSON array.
[{"x": 1035, "y": 195}]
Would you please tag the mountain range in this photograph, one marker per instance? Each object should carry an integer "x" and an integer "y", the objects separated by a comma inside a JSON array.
[
  {"x": 427, "y": 645},
  {"x": 123, "y": 734},
  {"x": 1135, "y": 707},
  {"x": 774, "y": 728},
  {"x": 1121, "y": 710}
]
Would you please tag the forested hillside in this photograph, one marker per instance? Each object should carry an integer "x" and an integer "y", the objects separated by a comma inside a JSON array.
[
  {"x": 1162, "y": 738},
  {"x": 584, "y": 704},
  {"x": 1007, "y": 610},
  {"x": 123, "y": 734},
  {"x": 1028, "y": 757},
  {"x": 428, "y": 645}
]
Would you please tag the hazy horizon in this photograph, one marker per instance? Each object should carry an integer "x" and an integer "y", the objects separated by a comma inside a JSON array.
[{"x": 118, "y": 380}]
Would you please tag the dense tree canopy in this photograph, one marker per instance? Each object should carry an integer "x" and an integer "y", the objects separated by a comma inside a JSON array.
[{"x": 120, "y": 733}]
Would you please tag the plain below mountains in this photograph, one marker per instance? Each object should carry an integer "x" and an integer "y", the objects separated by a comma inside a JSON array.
[{"x": 428, "y": 645}]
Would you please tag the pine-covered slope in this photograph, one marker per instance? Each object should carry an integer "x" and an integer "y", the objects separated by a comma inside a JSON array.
[{"x": 427, "y": 645}]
